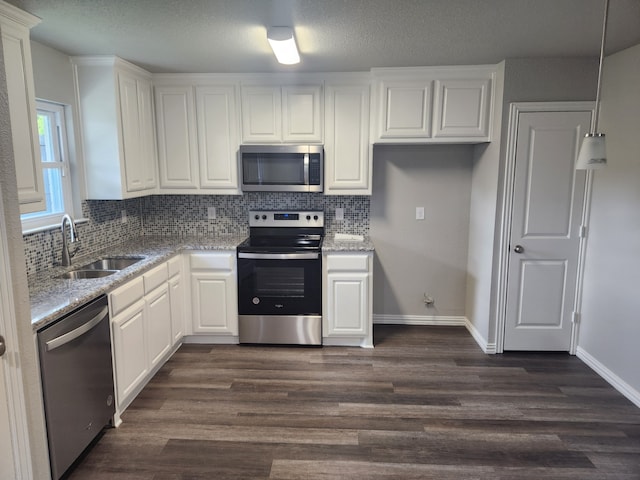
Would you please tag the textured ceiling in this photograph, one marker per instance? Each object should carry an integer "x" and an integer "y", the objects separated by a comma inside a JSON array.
[{"x": 333, "y": 35}]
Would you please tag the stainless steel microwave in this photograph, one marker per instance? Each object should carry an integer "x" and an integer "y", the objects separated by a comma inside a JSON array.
[{"x": 282, "y": 168}]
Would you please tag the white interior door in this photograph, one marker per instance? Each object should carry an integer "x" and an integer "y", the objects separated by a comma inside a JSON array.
[{"x": 545, "y": 230}]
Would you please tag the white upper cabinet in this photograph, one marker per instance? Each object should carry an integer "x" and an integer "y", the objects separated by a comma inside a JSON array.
[
  {"x": 116, "y": 114},
  {"x": 277, "y": 114},
  {"x": 198, "y": 136},
  {"x": 347, "y": 150},
  {"x": 14, "y": 27},
  {"x": 462, "y": 108},
  {"x": 217, "y": 137},
  {"x": 177, "y": 138},
  {"x": 405, "y": 109},
  {"x": 302, "y": 114},
  {"x": 433, "y": 104}
]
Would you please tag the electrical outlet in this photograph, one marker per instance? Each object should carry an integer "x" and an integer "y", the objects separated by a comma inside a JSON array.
[
  {"x": 419, "y": 213},
  {"x": 340, "y": 214},
  {"x": 211, "y": 213},
  {"x": 123, "y": 216}
]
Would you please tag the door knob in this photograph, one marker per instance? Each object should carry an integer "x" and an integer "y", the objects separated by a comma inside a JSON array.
[
  {"x": 3, "y": 347},
  {"x": 518, "y": 249}
]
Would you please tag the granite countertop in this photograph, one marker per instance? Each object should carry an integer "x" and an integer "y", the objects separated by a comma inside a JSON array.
[
  {"x": 330, "y": 244},
  {"x": 52, "y": 297}
]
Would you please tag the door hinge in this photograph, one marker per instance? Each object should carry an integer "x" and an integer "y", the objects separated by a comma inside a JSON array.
[
  {"x": 583, "y": 231},
  {"x": 576, "y": 318}
]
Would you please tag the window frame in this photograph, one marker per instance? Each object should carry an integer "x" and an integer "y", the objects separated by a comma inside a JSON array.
[{"x": 38, "y": 221}]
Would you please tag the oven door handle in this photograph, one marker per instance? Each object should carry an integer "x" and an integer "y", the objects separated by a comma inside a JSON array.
[{"x": 279, "y": 256}]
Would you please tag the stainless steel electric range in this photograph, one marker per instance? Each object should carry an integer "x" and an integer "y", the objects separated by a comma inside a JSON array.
[{"x": 280, "y": 278}]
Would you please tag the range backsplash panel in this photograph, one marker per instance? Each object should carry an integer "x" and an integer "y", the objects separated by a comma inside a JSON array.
[{"x": 186, "y": 215}]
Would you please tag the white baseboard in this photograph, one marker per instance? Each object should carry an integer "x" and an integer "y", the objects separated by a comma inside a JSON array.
[
  {"x": 489, "y": 348},
  {"x": 616, "y": 382},
  {"x": 419, "y": 320}
]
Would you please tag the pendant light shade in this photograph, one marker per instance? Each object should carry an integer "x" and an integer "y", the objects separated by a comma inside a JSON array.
[
  {"x": 593, "y": 154},
  {"x": 283, "y": 45}
]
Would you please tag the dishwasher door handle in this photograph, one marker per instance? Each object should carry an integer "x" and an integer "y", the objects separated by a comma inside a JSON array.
[{"x": 81, "y": 330}]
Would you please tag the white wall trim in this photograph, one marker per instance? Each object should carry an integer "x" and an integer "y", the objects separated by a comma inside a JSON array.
[
  {"x": 420, "y": 320},
  {"x": 16, "y": 402},
  {"x": 620, "y": 385},
  {"x": 486, "y": 347}
]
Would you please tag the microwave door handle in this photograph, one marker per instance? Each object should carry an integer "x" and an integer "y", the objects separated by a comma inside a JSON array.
[{"x": 306, "y": 169}]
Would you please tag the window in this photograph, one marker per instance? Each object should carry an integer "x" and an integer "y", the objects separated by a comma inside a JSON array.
[{"x": 55, "y": 167}]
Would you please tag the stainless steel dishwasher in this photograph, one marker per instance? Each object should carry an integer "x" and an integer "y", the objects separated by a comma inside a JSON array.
[{"x": 77, "y": 381}]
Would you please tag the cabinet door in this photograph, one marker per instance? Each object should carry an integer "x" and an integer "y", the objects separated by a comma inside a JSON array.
[
  {"x": 130, "y": 351},
  {"x": 177, "y": 145},
  {"x": 462, "y": 108},
  {"x": 261, "y": 114},
  {"x": 301, "y": 114},
  {"x": 176, "y": 297},
  {"x": 158, "y": 317},
  {"x": 214, "y": 303},
  {"x": 148, "y": 152},
  {"x": 347, "y": 155},
  {"x": 347, "y": 298},
  {"x": 22, "y": 112},
  {"x": 218, "y": 138},
  {"x": 130, "y": 131},
  {"x": 404, "y": 109}
]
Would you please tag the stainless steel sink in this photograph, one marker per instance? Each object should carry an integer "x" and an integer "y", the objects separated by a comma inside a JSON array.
[
  {"x": 111, "y": 263},
  {"x": 85, "y": 274}
]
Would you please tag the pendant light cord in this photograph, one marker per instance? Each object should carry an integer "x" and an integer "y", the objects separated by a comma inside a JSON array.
[{"x": 604, "y": 33}]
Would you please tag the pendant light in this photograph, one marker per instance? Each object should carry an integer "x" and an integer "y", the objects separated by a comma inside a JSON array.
[{"x": 593, "y": 154}]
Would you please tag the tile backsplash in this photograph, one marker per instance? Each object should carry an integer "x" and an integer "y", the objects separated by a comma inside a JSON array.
[{"x": 186, "y": 215}]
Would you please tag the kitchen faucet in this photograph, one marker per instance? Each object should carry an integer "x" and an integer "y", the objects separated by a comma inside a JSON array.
[{"x": 73, "y": 237}]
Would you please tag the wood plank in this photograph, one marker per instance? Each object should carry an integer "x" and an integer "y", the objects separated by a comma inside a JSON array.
[{"x": 425, "y": 403}]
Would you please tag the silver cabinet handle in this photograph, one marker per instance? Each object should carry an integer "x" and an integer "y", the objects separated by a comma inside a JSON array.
[
  {"x": 3, "y": 346},
  {"x": 518, "y": 249},
  {"x": 81, "y": 330}
]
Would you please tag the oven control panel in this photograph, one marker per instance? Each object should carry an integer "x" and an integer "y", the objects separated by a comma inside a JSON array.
[{"x": 284, "y": 218}]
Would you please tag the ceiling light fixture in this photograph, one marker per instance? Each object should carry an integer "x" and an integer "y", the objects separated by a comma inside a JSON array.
[
  {"x": 593, "y": 152},
  {"x": 283, "y": 45}
]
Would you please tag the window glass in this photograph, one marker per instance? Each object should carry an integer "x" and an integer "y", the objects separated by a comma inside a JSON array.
[{"x": 55, "y": 168}]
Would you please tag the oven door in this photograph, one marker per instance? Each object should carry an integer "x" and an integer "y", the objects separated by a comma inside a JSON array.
[{"x": 280, "y": 283}]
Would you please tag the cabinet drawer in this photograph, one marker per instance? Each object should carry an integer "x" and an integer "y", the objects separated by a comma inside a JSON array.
[
  {"x": 350, "y": 263},
  {"x": 127, "y": 295},
  {"x": 212, "y": 261},
  {"x": 174, "y": 265},
  {"x": 154, "y": 278}
]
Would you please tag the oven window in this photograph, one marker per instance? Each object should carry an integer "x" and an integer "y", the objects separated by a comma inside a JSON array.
[{"x": 279, "y": 282}]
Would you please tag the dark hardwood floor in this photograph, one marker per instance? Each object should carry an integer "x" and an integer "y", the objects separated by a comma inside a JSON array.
[{"x": 426, "y": 403}]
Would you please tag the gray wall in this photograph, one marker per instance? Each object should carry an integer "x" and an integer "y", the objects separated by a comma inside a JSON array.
[
  {"x": 412, "y": 256},
  {"x": 610, "y": 327}
]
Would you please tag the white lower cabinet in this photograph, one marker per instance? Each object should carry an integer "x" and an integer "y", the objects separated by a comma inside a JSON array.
[
  {"x": 214, "y": 304},
  {"x": 176, "y": 297},
  {"x": 129, "y": 348},
  {"x": 347, "y": 299},
  {"x": 158, "y": 316},
  {"x": 146, "y": 316}
]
